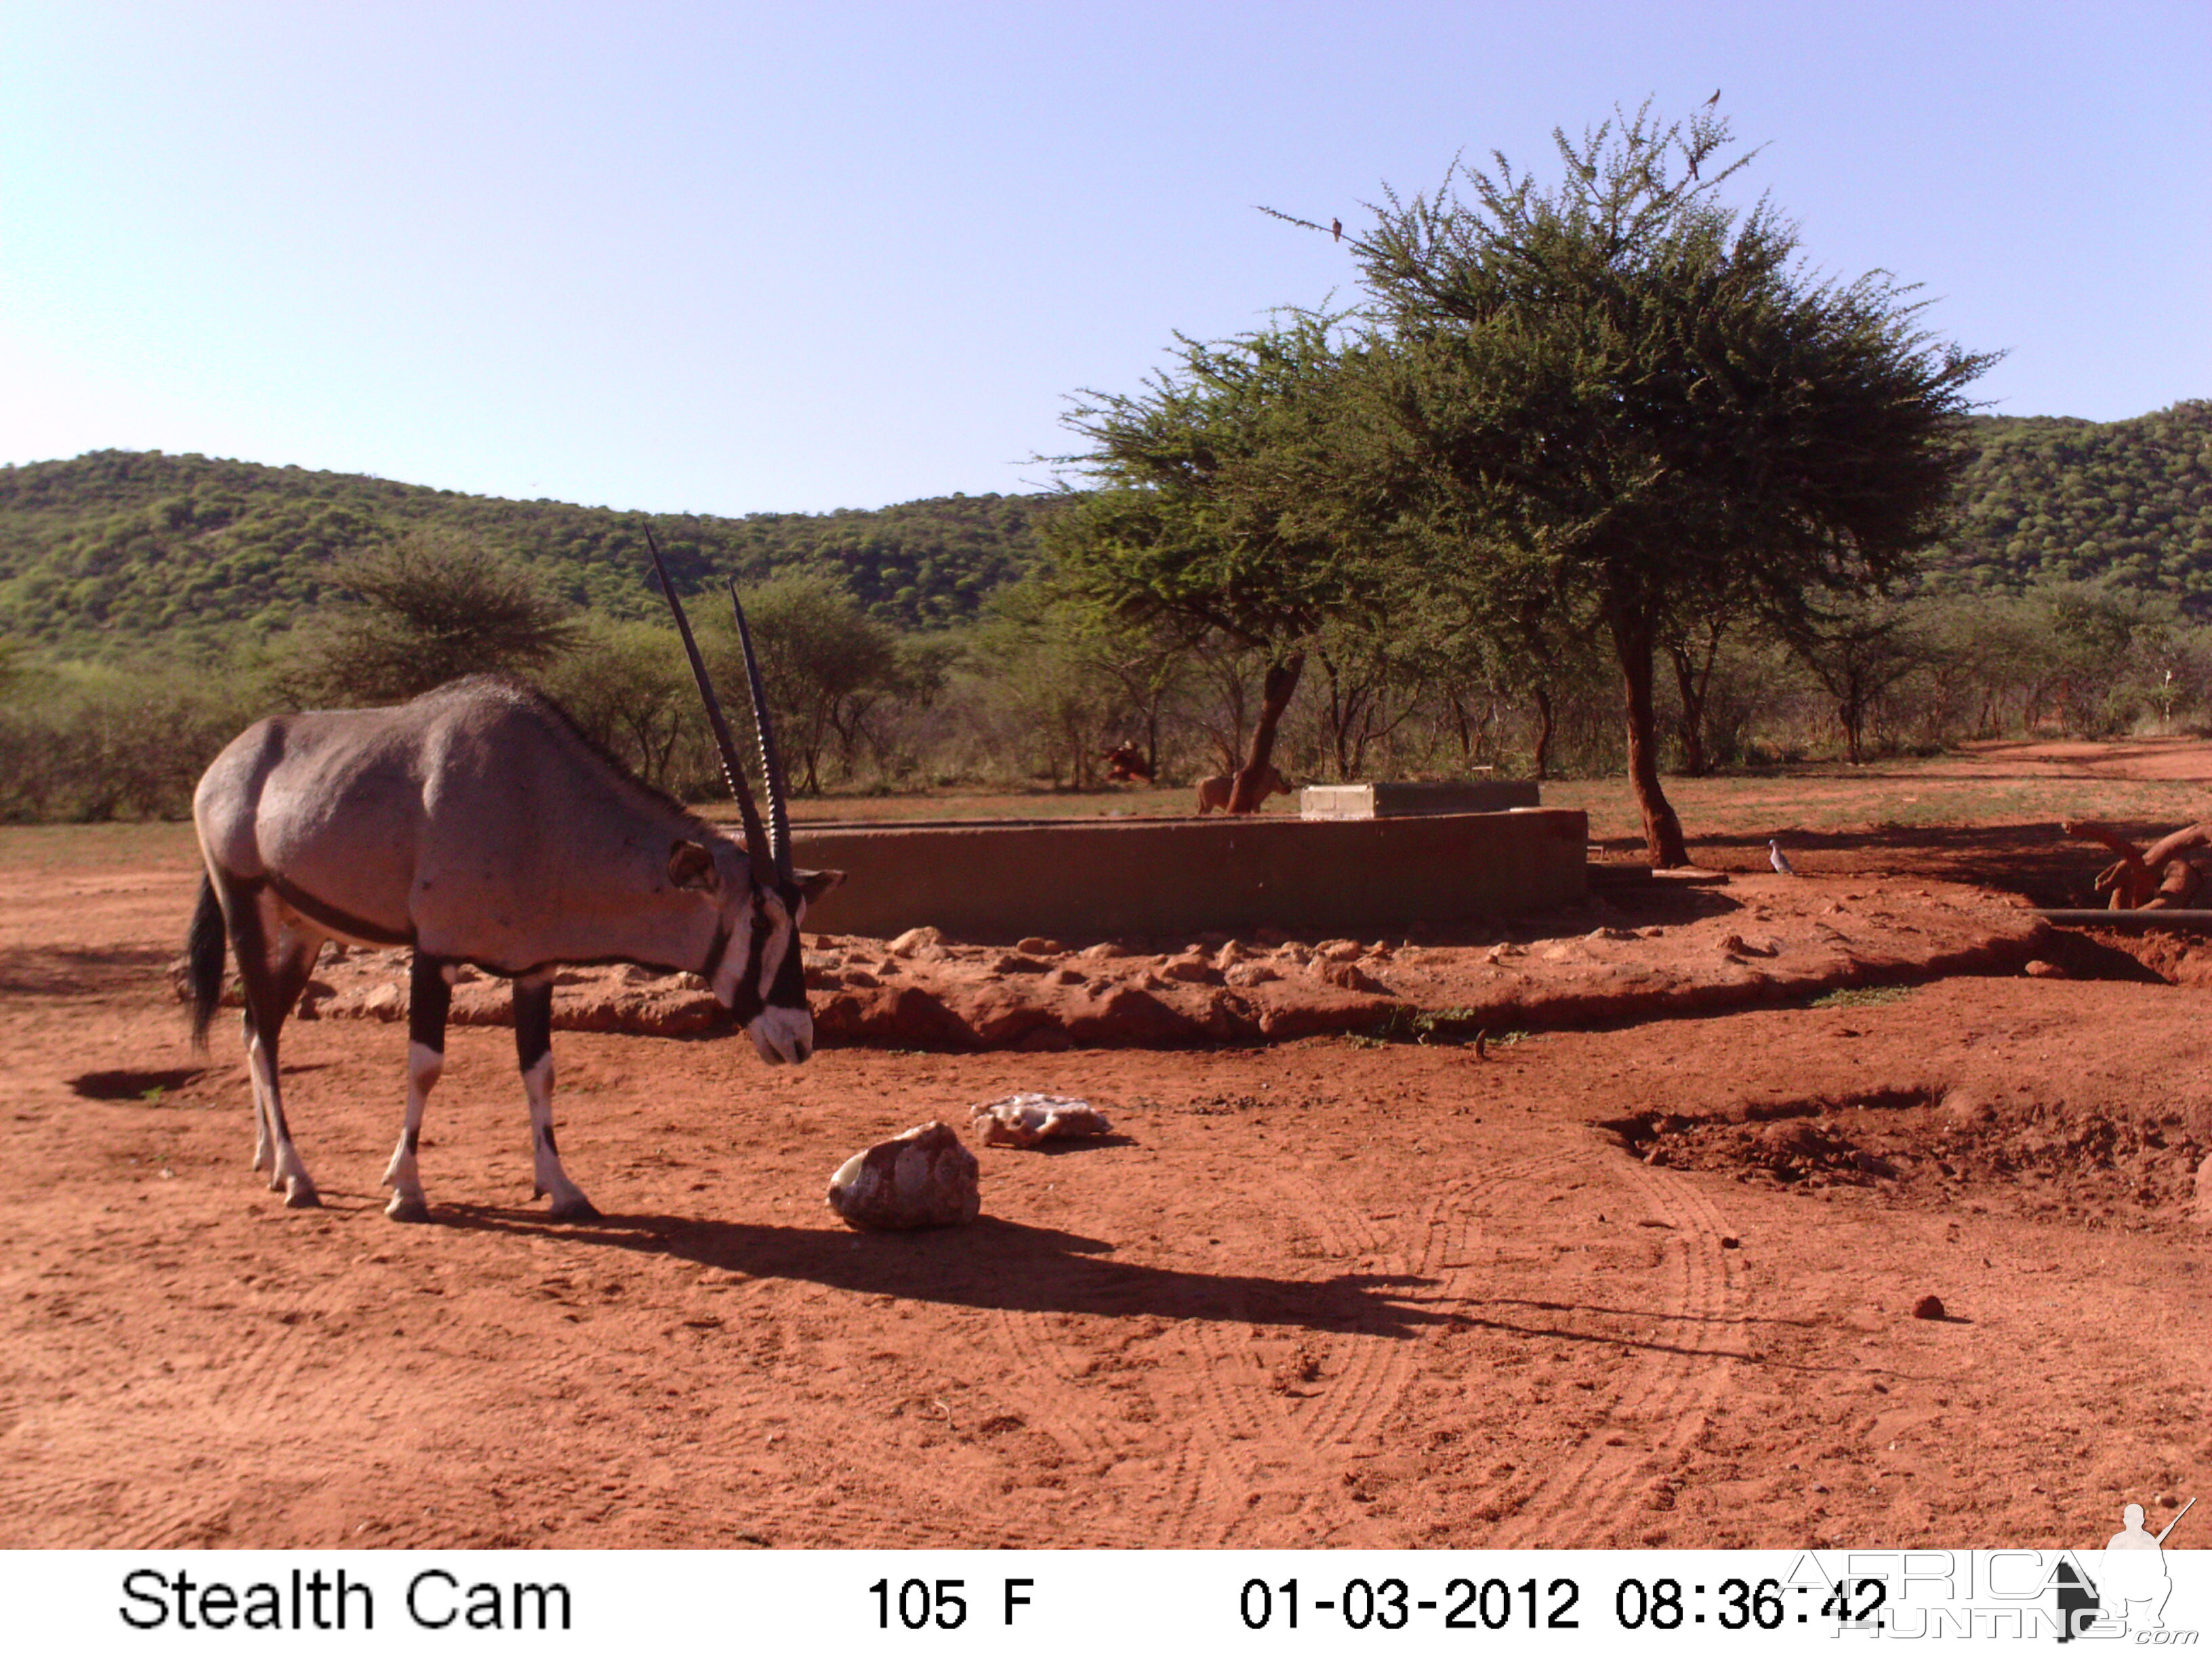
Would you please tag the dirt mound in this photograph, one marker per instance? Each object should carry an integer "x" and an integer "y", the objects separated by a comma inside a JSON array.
[
  {"x": 1950, "y": 1145},
  {"x": 1672, "y": 945},
  {"x": 2175, "y": 958}
]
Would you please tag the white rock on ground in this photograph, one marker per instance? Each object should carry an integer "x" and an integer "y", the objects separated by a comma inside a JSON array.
[
  {"x": 1027, "y": 1119},
  {"x": 923, "y": 1178}
]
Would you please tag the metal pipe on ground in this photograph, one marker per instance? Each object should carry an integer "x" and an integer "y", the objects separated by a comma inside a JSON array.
[{"x": 2133, "y": 921}]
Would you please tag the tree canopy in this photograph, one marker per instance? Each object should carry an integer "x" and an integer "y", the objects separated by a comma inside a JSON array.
[
  {"x": 435, "y": 606},
  {"x": 1213, "y": 507},
  {"x": 1631, "y": 392}
]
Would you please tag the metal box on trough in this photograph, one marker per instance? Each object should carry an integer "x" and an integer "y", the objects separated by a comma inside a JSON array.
[{"x": 1408, "y": 800}]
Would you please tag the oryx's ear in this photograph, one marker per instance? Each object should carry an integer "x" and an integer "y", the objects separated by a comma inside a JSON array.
[
  {"x": 813, "y": 883},
  {"x": 691, "y": 867}
]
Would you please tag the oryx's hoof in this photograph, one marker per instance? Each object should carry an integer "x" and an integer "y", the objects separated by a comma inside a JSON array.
[
  {"x": 300, "y": 1193},
  {"x": 577, "y": 1208},
  {"x": 406, "y": 1207}
]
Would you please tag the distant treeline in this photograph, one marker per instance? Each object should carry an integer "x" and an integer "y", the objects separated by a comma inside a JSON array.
[
  {"x": 114, "y": 547},
  {"x": 926, "y": 646},
  {"x": 2048, "y": 500},
  {"x": 111, "y": 548}
]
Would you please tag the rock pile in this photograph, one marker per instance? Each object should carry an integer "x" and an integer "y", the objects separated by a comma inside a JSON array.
[{"x": 1727, "y": 943}]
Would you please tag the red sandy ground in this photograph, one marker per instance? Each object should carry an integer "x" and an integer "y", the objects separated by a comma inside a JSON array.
[{"x": 1628, "y": 1284}]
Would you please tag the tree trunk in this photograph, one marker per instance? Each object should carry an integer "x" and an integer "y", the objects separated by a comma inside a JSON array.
[
  {"x": 1851, "y": 715},
  {"x": 1548, "y": 726},
  {"x": 1695, "y": 682},
  {"x": 1633, "y": 642},
  {"x": 1275, "y": 693}
]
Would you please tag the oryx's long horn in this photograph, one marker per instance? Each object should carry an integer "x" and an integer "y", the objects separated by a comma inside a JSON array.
[
  {"x": 779, "y": 812},
  {"x": 755, "y": 836}
]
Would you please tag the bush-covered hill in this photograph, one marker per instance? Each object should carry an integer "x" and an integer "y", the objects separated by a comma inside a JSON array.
[
  {"x": 114, "y": 546},
  {"x": 2067, "y": 500},
  {"x": 111, "y": 548}
]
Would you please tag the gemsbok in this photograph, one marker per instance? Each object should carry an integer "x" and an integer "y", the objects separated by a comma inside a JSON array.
[
  {"x": 1213, "y": 793},
  {"x": 477, "y": 825}
]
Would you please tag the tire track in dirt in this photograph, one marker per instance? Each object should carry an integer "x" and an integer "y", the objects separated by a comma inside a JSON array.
[
  {"x": 1278, "y": 1440},
  {"x": 1264, "y": 1476},
  {"x": 1230, "y": 1464},
  {"x": 1443, "y": 1251},
  {"x": 1281, "y": 1459},
  {"x": 1595, "y": 1497},
  {"x": 1055, "y": 1399},
  {"x": 214, "y": 1419}
]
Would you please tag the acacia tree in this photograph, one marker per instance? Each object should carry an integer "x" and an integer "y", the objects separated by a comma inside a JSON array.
[
  {"x": 825, "y": 664},
  {"x": 434, "y": 606},
  {"x": 1150, "y": 662},
  {"x": 1037, "y": 652},
  {"x": 1619, "y": 387},
  {"x": 626, "y": 685},
  {"x": 1217, "y": 507},
  {"x": 1860, "y": 652},
  {"x": 1692, "y": 646}
]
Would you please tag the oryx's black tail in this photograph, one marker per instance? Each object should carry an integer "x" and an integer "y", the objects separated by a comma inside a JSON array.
[{"x": 204, "y": 950}]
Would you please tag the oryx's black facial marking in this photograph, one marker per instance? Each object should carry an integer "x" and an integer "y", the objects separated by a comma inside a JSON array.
[
  {"x": 745, "y": 1003},
  {"x": 713, "y": 964},
  {"x": 429, "y": 1000},
  {"x": 788, "y": 989}
]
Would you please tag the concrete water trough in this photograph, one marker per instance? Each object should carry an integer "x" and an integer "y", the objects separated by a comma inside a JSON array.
[
  {"x": 1406, "y": 800},
  {"x": 998, "y": 882}
]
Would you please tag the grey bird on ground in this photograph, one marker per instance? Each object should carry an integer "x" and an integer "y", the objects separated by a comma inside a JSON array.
[{"x": 1774, "y": 856}]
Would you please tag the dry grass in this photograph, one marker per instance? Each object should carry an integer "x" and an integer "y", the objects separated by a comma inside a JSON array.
[{"x": 1988, "y": 788}]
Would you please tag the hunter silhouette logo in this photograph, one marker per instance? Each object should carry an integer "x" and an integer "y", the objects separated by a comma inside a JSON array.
[{"x": 2128, "y": 1585}]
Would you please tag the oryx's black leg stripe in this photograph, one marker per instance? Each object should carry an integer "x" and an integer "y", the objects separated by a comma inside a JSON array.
[
  {"x": 533, "y": 1020},
  {"x": 548, "y": 1139},
  {"x": 257, "y": 979},
  {"x": 430, "y": 999},
  {"x": 273, "y": 971}
]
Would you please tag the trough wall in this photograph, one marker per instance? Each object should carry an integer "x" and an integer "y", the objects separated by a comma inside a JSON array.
[{"x": 990, "y": 883}]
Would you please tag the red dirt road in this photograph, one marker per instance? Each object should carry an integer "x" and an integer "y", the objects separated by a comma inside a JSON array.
[{"x": 1318, "y": 1294}]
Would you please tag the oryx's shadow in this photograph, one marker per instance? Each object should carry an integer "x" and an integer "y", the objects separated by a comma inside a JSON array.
[{"x": 994, "y": 1264}]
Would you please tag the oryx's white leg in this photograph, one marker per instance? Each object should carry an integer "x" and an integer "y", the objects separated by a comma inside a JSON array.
[
  {"x": 264, "y": 1156},
  {"x": 275, "y": 956},
  {"x": 430, "y": 995},
  {"x": 533, "y": 1048},
  {"x": 288, "y": 1171}
]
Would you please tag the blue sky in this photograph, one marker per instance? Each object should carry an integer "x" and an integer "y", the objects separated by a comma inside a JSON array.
[{"x": 731, "y": 258}]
